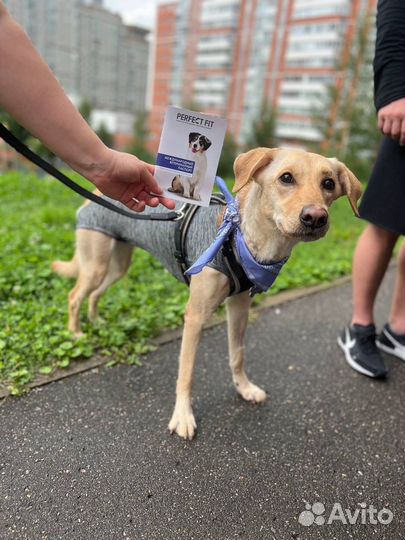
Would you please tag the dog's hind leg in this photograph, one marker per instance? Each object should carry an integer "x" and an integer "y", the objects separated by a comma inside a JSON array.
[
  {"x": 69, "y": 269},
  {"x": 117, "y": 268},
  {"x": 176, "y": 186},
  {"x": 94, "y": 251},
  {"x": 238, "y": 312},
  {"x": 207, "y": 291}
]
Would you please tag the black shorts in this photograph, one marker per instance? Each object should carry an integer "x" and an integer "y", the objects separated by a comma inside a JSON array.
[{"x": 383, "y": 203}]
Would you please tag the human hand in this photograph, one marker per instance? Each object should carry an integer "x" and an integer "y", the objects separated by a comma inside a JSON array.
[
  {"x": 391, "y": 120},
  {"x": 124, "y": 177}
]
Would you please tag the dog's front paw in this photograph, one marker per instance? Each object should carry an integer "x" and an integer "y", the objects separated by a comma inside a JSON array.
[
  {"x": 251, "y": 392},
  {"x": 183, "y": 423}
]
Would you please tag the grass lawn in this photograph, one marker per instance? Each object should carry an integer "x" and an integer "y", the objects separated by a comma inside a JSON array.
[{"x": 37, "y": 226}]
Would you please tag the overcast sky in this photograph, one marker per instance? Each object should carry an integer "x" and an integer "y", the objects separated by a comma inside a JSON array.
[{"x": 138, "y": 12}]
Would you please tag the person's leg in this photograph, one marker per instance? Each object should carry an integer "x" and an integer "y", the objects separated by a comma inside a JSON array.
[
  {"x": 392, "y": 338},
  {"x": 370, "y": 261},
  {"x": 397, "y": 315}
]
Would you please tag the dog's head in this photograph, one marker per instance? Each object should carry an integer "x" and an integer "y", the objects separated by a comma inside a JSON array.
[
  {"x": 294, "y": 188},
  {"x": 198, "y": 143}
]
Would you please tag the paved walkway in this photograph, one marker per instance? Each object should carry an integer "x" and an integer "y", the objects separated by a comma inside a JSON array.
[{"x": 89, "y": 457}]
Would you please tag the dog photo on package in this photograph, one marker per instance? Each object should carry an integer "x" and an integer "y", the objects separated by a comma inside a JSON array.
[{"x": 188, "y": 156}]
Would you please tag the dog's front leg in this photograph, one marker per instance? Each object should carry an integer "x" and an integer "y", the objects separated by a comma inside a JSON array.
[
  {"x": 207, "y": 291},
  {"x": 186, "y": 186},
  {"x": 238, "y": 312},
  {"x": 196, "y": 192}
]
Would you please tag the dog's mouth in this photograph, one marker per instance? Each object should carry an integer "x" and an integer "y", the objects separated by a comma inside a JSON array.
[
  {"x": 311, "y": 236},
  {"x": 305, "y": 234},
  {"x": 194, "y": 150}
]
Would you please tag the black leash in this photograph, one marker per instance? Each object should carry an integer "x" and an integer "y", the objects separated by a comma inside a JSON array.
[{"x": 22, "y": 149}]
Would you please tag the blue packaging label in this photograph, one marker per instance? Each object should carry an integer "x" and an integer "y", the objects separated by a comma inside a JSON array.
[{"x": 181, "y": 165}]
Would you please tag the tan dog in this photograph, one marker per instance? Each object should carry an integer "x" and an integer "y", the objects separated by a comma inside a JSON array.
[{"x": 284, "y": 196}]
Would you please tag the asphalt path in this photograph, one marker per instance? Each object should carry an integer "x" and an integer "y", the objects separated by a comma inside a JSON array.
[{"x": 90, "y": 457}]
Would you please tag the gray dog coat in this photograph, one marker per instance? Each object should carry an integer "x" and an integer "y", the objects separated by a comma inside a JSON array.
[{"x": 158, "y": 237}]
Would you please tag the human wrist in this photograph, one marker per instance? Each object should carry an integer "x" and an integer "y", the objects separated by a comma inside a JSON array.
[{"x": 95, "y": 164}]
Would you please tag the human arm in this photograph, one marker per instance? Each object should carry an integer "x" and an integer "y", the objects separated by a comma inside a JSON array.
[{"x": 31, "y": 94}]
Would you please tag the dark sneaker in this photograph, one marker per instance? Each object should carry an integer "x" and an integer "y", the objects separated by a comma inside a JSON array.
[
  {"x": 391, "y": 343},
  {"x": 359, "y": 345}
]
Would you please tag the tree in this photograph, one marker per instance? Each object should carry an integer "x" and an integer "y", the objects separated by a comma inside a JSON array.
[
  {"x": 86, "y": 109},
  {"x": 228, "y": 155},
  {"x": 12, "y": 124},
  {"x": 105, "y": 135},
  {"x": 17, "y": 130},
  {"x": 263, "y": 129},
  {"x": 138, "y": 145},
  {"x": 24, "y": 136},
  {"x": 349, "y": 129},
  {"x": 192, "y": 105}
]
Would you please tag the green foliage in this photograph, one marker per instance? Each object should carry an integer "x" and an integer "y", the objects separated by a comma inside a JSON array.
[
  {"x": 37, "y": 146},
  {"x": 24, "y": 136},
  {"x": 12, "y": 124},
  {"x": 264, "y": 129},
  {"x": 86, "y": 110},
  {"x": 192, "y": 105},
  {"x": 106, "y": 136},
  {"x": 228, "y": 155},
  {"x": 354, "y": 136},
  {"x": 138, "y": 145},
  {"x": 37, "y": 226}
]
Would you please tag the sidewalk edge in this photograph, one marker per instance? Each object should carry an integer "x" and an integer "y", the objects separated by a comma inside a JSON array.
[{"x": 171, "y": 335}]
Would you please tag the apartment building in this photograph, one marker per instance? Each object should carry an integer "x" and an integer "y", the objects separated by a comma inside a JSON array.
[
  {"x": 194, "y": 44},
  {"x": 230, "y": 56},
  {"x": 112, "y": 63},
  {"x": 163, "y": 68},
  {"x": 53, "y": 28},
  {"x": 100, "y": 39},
  {"x": 94, "y": 55},
  {"x": 319, "y": 40}
]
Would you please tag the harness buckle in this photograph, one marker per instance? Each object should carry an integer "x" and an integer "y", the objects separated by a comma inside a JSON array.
[{"x": 180, "y": 215}]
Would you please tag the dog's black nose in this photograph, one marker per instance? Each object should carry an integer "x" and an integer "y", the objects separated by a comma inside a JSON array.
[
  {"x": 314, "y": 217},
  {"x": 194, "y": 146}
]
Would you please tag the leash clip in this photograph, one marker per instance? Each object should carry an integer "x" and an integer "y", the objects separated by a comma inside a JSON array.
[{"x": 180, "y": 215}]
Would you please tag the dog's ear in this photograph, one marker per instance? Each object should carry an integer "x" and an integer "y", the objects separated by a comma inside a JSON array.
[
  {"x": 193, "y": 137},
  {"x": 206, "y": 143},
  {"x": 349, "y": 184},
  {"x": 246, "y": 165}
]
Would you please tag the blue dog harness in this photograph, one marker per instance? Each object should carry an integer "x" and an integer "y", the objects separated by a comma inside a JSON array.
[{"x": 261, "y": 276}]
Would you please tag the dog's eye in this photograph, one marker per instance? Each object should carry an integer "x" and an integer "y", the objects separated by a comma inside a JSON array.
[
  {"x": 328, "y": 184},
  {"x": 287, "y": 178}
]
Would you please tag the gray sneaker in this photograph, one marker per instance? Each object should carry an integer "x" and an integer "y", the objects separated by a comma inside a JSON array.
[
  {"x": 391, "y": 343},
  {"x": 359, "y": 345}
]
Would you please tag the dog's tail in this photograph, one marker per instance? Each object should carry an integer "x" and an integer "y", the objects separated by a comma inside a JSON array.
[{"x": 69, "y": 269}]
